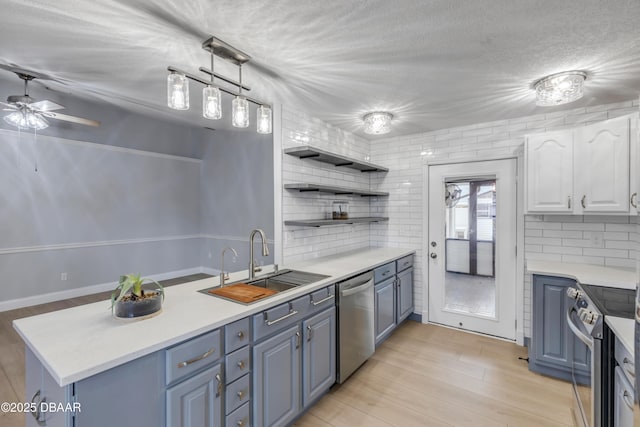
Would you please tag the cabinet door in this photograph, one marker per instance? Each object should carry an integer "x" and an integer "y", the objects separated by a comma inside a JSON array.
[
  {"x": 276, "y": 379},
  {"x": 318, "y": 355},
  {"x": 405, "y": 294},
  {"x": 196, "y": 402},
  {"x": 385, "y": 309},
  {"x": 42, "y": 389},
  {"x": 634, "y": 139},
  {"x": 602, "y": 166},
  {"x": 549, "y": 171},
  {"x": 623, "y": 400},
  {"x": 550, "y": 329}
]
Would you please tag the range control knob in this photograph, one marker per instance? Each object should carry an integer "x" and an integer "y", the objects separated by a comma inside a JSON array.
[
  {"x": 588, "y": 316},
  {"x": 573, "y": 293}
]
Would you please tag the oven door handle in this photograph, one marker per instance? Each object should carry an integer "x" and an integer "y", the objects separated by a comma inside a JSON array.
[{"x": 577, "y": 332}]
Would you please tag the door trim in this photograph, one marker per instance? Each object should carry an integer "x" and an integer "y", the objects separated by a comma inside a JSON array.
[{"x": 519, "y": 158}]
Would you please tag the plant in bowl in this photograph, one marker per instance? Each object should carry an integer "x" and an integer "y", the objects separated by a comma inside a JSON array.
[{"x": 130, "y": 300}]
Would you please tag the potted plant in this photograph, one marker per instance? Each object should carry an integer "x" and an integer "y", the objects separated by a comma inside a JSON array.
[{"x": 130, "y": 300}]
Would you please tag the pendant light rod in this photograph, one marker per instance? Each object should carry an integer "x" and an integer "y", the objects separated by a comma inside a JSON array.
[
  {"x": 205, "y": 82},
  {"x": 223, "y": 78}
]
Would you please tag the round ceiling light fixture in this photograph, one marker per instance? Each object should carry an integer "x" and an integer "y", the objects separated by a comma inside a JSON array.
[
  {"x": 377, "y": 123},
  {"x": 560, "y": 88}
]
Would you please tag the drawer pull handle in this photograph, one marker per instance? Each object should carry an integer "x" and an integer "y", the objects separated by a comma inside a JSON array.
[
  {"x": 628, "y": 367},
  {"x": 386, "y": 272},
  {"x": 241, "y": 334},
  {"x": 331, "y": 296},
  {"x": 241, "y": 394},
  {"x": 292, "y": 312},
  {"x": 626, "y": 396},
  {"x": 196, "y": 359},
  {"x": 241, "y": 364},
  {"x": 219, "y": 389}
]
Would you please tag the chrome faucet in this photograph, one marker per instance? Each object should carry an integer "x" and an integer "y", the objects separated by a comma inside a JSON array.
[
  {"x": 225, "y": 276},
  {"x": 265, "y": 251}
]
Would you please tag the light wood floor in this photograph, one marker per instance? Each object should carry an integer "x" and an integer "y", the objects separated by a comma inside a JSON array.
[{"x": 423, "y": 375}]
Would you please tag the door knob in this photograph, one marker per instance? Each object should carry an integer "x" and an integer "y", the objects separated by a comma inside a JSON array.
[{"x": 433, "y": 255}]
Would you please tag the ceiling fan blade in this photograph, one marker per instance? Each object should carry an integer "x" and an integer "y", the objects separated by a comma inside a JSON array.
[
  {"x": 45, "y": 105},
  {"x": 8, "y": 107},
  {"x": 72, "y": 119}
]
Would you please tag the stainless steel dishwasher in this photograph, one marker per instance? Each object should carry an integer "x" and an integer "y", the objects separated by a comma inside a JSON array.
[{"x": 356, "y": 332}]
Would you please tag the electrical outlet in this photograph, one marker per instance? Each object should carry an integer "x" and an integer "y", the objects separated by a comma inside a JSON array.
[
  {"x": 63, "y": 276},
  {"x": 209, "y": 255},
  {"x": 597, "y": 239}
]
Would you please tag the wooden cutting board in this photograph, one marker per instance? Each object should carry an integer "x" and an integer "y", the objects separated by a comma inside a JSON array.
[{"x": 243, "y": 292}]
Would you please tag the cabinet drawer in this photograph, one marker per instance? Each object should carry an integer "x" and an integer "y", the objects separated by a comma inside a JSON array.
[
  {"x": 237, "y": 364},
  {"x": 279, "y": 317},
  {"x": 384, "y": 272},
  {"x": 236, "y": 335},
  {"x": 404, "y": 263},
  {"x": 625, "y": 360},
  {"x": 237, "y": 393},
  {"x": 240, "y": 417},
  {"x": 192, "y": 355},
  {"x": 321, "y": 299}
]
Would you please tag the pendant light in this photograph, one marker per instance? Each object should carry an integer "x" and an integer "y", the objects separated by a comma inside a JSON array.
[
  {"x": 211, "y": 99},
  {"x": 240, "y": 107},
  {"x": 177, "y": 91},
  {"x": 264, "y": 119}
]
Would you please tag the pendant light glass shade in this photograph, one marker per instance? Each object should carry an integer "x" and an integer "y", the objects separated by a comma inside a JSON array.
[
  {"x": 211, "y": 103},
  {"x": 264, "y": 119},
  {"x": 177, "y": 91},
  {"x": 377, "y": 123},
  {"x": 561, "y": 88},
  {"x": 240, "y": 112}
]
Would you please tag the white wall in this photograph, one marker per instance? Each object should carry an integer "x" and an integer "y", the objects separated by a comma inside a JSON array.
[
  {"x": 565, "y": 238},
  {"x": 300, "y": 243}
]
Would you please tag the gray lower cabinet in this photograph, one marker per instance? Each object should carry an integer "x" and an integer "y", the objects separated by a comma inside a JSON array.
[
  {"x": 404, "y": 285},
  {"x": 276, "y": 378},
  {"x": 553, "y": 346},
  {"x": 319, "y": 355},
  {"x": 196, "y": 401},
  {"x": 385, "y": 308}
]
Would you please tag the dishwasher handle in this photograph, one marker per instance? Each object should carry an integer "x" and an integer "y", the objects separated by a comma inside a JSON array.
[{"x": 357, "y": 289}]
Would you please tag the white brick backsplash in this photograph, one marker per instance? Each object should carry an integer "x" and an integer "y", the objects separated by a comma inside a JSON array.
[{"x": 566, "y": 238}]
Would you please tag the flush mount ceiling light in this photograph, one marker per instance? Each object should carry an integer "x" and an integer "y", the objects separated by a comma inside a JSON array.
[
  {"x": 377, "y": 123},
  {"x": 560, "y": 88},
  {"x": 178, "y": 89}
]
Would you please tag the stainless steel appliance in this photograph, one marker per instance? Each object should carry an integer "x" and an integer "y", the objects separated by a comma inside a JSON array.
[
  {"x": 356, "y": 332},
  {"x": 593, "y": 397}
]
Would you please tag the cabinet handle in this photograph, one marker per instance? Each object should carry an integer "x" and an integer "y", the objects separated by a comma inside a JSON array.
[
  {"x": 584, "y": 197},
  {"x": 37, "y": 414},
  {"x": 568, "y": 202},
  {"x": 292, "y": 312},
  {"x": 386, "y": 272},
  {"x": 219, "y": 389},
  {"x": 241, "y": 334},
  {"x": 297, "y": 339},
  {"x": 633, "y": 200},
  {"x": 629, "y": 367},
  {"x": 197, "y": 359},
  {"x": 626, "y": 396},
  {"x": 241, "y": 394},
  {"x": 331, "y": 296},
  {"x": 309, "y": 332},
  {"x": 241, "y": 364},
  {"x": 240, "y": 423}
]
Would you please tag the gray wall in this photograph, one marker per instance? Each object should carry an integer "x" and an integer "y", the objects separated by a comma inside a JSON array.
[{"x": 241, "y": 163}]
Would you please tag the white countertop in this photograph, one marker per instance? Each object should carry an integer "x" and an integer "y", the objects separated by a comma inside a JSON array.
[
  {"x": 624, "y": 330},
  {"x": 82, "y": 341},
  {"x": 585, "y": 273}
]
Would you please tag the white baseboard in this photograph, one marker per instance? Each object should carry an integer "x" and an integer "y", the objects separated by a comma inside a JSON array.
[{"x": 93, "y": 289}]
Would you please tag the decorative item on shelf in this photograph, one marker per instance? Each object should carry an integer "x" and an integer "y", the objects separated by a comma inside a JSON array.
[
  {"x": 377, "y": 122},
  {"x": 178, "y": 89},
  {"x": 340, "y": 210},
  {"x": 129, "y": 300},
  {"x": 560, "y": 88}
]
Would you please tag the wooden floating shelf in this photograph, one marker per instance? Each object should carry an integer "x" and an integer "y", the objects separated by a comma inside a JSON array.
[
  {"x": 303, "y": 188},
  {"x": 326, "y": 222},
  {"x": 313, "y": 153}
]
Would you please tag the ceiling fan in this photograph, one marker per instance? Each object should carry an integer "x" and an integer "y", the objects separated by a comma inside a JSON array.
[{"x": 27, "y": 114}]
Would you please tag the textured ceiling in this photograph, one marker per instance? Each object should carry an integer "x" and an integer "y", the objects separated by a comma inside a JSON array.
[{"x": 433, "y": 64}]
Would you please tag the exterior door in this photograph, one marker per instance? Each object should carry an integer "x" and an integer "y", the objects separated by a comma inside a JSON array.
[{"x": 472, "y": 246}]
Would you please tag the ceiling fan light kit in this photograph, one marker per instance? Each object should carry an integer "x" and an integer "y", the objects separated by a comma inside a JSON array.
[
  {"x": 560, "y": 88},
  {"x": 178, "y": 89},
  {"x": 377, "y": 122}
]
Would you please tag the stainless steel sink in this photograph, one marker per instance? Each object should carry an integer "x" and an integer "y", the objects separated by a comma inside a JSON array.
[{"x": 281, "y": 281}]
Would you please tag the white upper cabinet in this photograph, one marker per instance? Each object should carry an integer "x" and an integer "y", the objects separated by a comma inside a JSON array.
[
  {"x": 585, "y": 170},
  {"x": 549, "y": 171},
  {"x": 602, "y": 166}
]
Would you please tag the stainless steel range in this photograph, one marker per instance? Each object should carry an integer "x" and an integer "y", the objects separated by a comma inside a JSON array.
[{"x": 592, "y": 396}]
